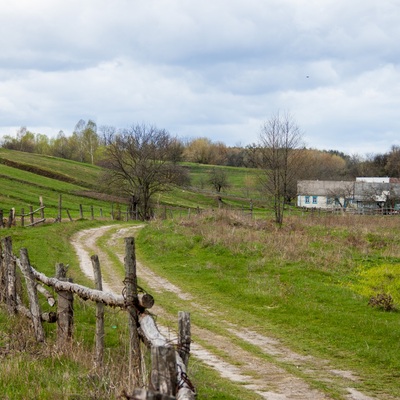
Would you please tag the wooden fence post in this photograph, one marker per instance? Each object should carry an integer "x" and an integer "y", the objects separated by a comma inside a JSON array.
[
  {"x": 11, "y": 218},
  {"x": 32, "y": 294},
  {"x": 92, "y": 212},
  {"x": 9, "y": 275},
  {"x": 131, "y": 302},
  {"x": 163, "y": 370},
  {"x": 80, "y": 211},
  {"x": 184, "y": 337},
  {"x": 41, "y": 206},
  {"x": 99, "y": 313},
  {"x": 1, "y": 219},
  {"x": 22, "y": 217},
  {"x": 59, "y": 217},
  {"x": 65, "y": 309},
  {"x": 31, "y": 215}
]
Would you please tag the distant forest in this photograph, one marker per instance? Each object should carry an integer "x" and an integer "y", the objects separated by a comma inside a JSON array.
[{"x": 88, "y": 144}]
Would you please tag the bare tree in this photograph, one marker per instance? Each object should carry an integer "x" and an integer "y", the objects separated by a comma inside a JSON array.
[
  {"x": 218, "y": 179},
  {"x": 277, "y": 154},
  {"x": 139, "y": 162}
]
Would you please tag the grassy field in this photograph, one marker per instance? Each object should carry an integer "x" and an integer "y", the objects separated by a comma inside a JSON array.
[{"x": 307, "y": 283}]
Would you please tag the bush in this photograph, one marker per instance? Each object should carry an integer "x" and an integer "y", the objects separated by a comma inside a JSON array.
[{"x": 383, "y": 301}]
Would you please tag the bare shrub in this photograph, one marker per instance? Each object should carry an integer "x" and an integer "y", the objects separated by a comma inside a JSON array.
[{"x": 383, "y": 301}]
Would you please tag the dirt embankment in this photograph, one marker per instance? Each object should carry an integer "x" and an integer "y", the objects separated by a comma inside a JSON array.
[{"x": 266, "y": 374}]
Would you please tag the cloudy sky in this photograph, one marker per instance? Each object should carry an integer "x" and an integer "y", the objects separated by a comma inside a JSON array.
[{"x": 210, "y": 68}]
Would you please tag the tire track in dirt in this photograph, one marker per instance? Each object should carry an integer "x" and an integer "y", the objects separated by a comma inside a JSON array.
[{"x": 265, "y": 374}]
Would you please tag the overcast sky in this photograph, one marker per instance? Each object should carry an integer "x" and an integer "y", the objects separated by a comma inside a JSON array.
[{"x": 210, "y": 68}]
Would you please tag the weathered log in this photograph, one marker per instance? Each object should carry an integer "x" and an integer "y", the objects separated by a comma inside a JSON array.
[
  {"x": 37, "y": 222},
  {"x": 152, "y": 335},
  {"x": 108, "y": 298},
  {"x": 143, "y": 394},
  {"x": 49, "y": 317},
  {"x": 32, "y": 294},
  {"x": 50, "y": 299},
  {"x": 82, "y": 291}
]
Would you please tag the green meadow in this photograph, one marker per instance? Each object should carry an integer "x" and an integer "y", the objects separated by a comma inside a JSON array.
[{"x": 308, "y": 284}]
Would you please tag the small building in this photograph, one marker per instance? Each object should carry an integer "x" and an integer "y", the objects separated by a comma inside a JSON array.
[
  {"x": 324, "y": 194},
  {"x": 363, "y": 193}
]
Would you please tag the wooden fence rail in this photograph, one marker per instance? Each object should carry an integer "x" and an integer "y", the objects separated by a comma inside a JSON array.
[{"x": 168, "y": 378}]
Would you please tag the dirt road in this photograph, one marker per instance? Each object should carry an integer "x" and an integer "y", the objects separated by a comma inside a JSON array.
[{"x": 269, "y": 374}]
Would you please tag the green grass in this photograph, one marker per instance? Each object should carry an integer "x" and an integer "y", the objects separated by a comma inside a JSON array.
[
  {"x": 307, "y": 283},
  {"x": 301, "y": 284}
]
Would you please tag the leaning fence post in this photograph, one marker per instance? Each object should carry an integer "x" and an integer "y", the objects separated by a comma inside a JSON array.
[
  {"x": 184, "y": 337},
  {"x": 99, "y": 313},
  {"x": 65, "y": 309},
  {"x": 80, "y": 211},
  {"x": 163, "y": 370},
  {"x": 131, "y": 302},
  {"x": 32, "y": 294}
]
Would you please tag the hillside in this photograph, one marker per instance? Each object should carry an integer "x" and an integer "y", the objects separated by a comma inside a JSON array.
[{"x": 24, "y": 177}]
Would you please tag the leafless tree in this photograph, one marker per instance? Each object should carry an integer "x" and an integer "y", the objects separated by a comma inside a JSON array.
[
  {"x": 140, "y": 164},
  {"x": 277, "y": 155},
  {"x": 218, "y": 179}
]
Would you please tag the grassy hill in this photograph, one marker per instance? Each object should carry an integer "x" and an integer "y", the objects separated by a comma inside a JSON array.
[{"x": 24, "y": 177}]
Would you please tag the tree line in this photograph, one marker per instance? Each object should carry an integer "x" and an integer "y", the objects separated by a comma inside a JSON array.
[
  {"x": 143, "y": 160},
  {"x": 88, "y": 144}
]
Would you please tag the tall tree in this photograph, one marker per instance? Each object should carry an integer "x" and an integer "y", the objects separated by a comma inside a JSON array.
[
  {"x": 140, "y": 164},
  {"x": 277, "y": 154}
]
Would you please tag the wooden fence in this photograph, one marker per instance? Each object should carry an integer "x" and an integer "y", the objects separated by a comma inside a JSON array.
[
  {"x": 168, "y": 378},
  {"x": 37, "y": 216},
  {"x": 34, "y": 217}
]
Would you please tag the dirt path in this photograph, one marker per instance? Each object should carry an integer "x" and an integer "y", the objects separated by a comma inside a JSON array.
[{"x": 267, "y": 374}]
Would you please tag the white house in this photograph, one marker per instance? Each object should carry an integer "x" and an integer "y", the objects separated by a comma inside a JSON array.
[
  {"x": 364, "y": 192},
  {"x": 324, "y": 194}
]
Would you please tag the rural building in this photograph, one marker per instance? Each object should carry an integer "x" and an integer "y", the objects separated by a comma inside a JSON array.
[{"x": 364, "y": 193}]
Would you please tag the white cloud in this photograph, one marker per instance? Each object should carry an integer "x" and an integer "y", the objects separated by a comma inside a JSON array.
[{"x": 215, "y": 69}]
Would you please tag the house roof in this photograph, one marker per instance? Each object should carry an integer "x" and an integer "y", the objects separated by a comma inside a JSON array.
[
  {"x": 324, "y": 188},
  {"x": 359, "y": 190}
]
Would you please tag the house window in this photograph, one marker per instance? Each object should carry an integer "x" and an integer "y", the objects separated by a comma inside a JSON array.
[
  {"x": 307, "y": 199},
  {"x": 315, "y": 199}
]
